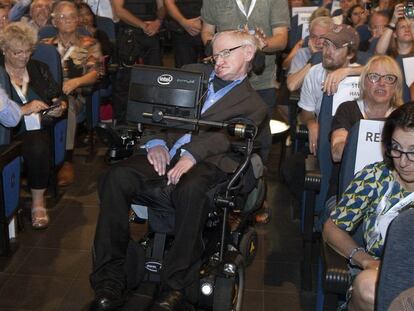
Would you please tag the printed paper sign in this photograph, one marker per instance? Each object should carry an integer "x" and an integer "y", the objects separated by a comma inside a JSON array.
[
  {"x": 348, "y": 89},
  {"x": 408, "y": 64},
  {"x": 369, "y": 148}
]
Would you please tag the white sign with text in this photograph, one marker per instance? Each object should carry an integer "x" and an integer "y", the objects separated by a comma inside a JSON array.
[
  {"x": 369, "y": 148},
  {"x": 348, "y": 89}
]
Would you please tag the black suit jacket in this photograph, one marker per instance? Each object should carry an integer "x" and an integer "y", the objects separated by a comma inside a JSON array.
[{"x": 212, "y": 144}]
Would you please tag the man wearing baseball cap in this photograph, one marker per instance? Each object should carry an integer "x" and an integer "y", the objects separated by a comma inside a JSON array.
[{"x": 339, "y": 49}]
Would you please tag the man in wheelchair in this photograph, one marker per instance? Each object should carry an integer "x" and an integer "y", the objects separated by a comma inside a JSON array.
[{"x": 175, "y": 177}]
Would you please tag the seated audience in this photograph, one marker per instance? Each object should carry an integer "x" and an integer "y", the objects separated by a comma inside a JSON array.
[
  {"x": 88, "y": 20},
  {"x": 80, "y": 56},
  {"x": 39, "y": 15},
  {"x": 378, "y": 193},
  {"x": 377, "y": 22},
  {"x": 177, "y": 175},
  {"x": 397, "y": 38},
  {"x": 380, "y": 94},
  {"x": 339, "y": 16},
  {"x": 299, "y": 59},
  {"x": 356, "y": 16},
  {"x": 31, "y": 80},
  {"x": 385, "y": 6},
  {"x": 339, "y": 48}
]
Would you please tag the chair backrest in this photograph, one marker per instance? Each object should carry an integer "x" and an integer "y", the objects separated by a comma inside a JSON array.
[
  {"x": 5, "y": 134},
  {"x": 363, "y": 147},
  {"x": 397, "y": 266},
  {"x": 363, "y": 57},
  {"x": 108, "y": 26},
  {"x": 48, "y": 54},
  {"x": 294, "y": 32},
  {"x": 406, "y": 63},
  {"x": 347, "y": 90}
]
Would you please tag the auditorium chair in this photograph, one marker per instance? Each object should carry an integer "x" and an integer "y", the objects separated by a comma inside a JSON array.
[
  {"x": 397, "y": 266},
  {"x": 317, "y": 177},
  {"x": 10, "y": 165},
  {"x": 334, "y": 277}
]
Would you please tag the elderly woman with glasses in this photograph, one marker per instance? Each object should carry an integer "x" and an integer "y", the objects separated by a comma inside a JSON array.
[
  {"x": 378, "y": 193},
  {"x": 31, "y": 80},
  {"x": 80, "y": 56}
]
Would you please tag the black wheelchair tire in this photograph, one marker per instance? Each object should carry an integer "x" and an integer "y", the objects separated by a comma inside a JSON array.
[
  {"x": 248, "y": 246},
  {"x": 228, "y": 291}
]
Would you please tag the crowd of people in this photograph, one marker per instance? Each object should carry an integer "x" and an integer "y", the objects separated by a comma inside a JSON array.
[{"x": 247, "y": 44}]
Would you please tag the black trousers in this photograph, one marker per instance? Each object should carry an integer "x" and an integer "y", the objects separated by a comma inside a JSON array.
[
  {"x": 136, "y": 178},
  {"x": 37, "y": 157},
  {"x": 187, "y": 49}
]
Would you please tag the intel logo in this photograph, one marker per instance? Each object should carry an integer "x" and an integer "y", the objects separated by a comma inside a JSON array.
[{"x": 165, "y": 79}]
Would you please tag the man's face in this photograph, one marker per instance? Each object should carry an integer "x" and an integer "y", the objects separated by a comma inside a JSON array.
[
  {"x": 66, "y": 19},
  {"x": 230, "y": 59},
  {"x": 333, "y": 57},
  {"x": 40, "y": 11},
  {"x": 315, "y": 35},
  {"x": 377, "y": 25},
  {"x": 345, "y": 5}
]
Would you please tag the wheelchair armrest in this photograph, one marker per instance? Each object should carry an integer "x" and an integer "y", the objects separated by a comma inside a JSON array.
[
  {"x": 312, "y": 174},
  {"x": 336, "y": 278},
  {"x": 240, "y": 147}
]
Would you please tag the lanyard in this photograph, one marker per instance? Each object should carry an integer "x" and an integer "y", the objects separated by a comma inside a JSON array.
[
  {"x": 21, "y": 91},
  {"x": 242, "y": 9}
]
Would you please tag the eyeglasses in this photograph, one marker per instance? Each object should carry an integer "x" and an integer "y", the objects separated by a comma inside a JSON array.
[
  {"x": 225, "y": 53},
  {"x": 389, "y": 79},
  {"x": 66, "y": 18},
  {"x": 20, "y": 53},
  {"x": 396, "y": 154}
]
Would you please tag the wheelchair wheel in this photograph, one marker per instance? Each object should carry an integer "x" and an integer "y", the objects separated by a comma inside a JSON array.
[
  {"x": 248, "y": 246},
  {"x": 228, "y": 291}
]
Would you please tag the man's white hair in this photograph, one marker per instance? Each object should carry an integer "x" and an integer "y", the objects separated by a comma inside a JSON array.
[{"x": 244, "y": 37}]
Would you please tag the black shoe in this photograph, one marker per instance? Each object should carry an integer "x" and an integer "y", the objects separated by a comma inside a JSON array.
[
  {"x": 107, "y": 298},
  {"x": 171, "y": 300}
]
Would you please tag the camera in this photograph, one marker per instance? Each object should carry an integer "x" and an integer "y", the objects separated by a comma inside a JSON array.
[
  {"x": 368, "y": 6},
  {"x": 409, "y": 9}
]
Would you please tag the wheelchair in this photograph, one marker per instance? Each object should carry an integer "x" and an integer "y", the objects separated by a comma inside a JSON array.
[{"x": 228, "y": 249}]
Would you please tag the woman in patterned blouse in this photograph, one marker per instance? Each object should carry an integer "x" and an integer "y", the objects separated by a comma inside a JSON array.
[{"x": 378, "y": 193}]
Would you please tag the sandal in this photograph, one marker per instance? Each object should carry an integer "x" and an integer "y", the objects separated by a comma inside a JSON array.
[{"x": 40, "y": 219}]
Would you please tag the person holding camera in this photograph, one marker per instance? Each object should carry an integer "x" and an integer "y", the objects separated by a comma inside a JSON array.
[
  {"x": 397, "y": 38},
  {"x": 138, "y": 42}
]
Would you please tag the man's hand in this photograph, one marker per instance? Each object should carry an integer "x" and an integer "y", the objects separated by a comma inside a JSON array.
[
  {"x": 192, "y": 26},
  {"x": 312, "y": 47},
  {"x": 261, "y": 36},
  {"x": 152, "y": 27},
  {"x": 330, "y": 85},
  {"x": 159, "y": 158},
  {"x": 183, "y": 166},
  {"x": 70, "y": 85},
  {"x": 313, "y": 128},
  {"x": 33, "y": 106}
]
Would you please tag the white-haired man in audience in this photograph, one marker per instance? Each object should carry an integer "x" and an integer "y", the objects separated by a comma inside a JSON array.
[{"x": 301, "y": 62}]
